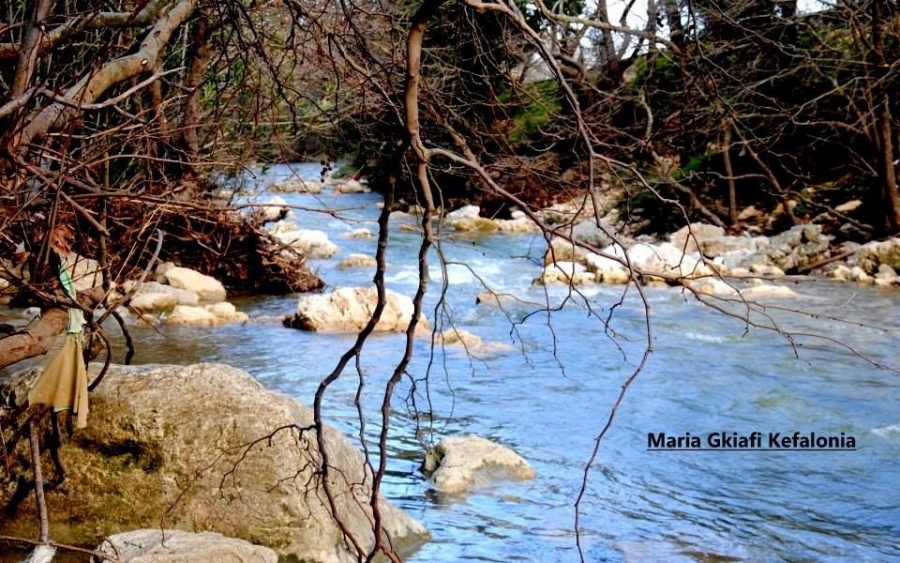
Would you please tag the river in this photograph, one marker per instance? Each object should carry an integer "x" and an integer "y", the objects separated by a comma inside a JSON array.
[{"x": 550, "y": 395}]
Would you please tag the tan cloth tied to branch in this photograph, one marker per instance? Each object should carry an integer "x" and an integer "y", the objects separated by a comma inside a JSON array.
[{"x": 63, "y": 385}]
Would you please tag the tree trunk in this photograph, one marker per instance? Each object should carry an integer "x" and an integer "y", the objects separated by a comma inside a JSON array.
[
  {"x": 729, "y": 172},
  {"x": 198, "y": 56},
  {"x": 884, "y": 126}
]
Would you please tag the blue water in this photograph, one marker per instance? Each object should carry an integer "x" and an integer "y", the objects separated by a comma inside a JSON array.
[{"x": 550, "y": 396}]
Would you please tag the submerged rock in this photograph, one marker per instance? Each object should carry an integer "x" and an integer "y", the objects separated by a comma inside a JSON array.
[
  {"x": 206, "y": 447},
  {"x": 458, "y": 463},
  {"x": 178, "y": 546},
  {"x": 472, "y": 343},
  {"x": 358, "y": 261},
  {"x": 208, "y": 315}
]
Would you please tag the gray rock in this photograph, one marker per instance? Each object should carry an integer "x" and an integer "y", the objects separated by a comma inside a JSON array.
[
  {"x": 588, "y": 232},
  {"x": 177, "y": 546},
  {"x": 802, "y": 245},
  {"x": 874, "y": 254},
  {"x": 188, "y": 447}
]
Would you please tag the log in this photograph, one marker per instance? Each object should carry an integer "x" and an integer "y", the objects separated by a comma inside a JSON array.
[{"x": 35, "y": 339}]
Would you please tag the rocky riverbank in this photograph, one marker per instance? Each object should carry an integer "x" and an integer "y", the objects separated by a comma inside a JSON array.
[{"x": 204, "y": 448}]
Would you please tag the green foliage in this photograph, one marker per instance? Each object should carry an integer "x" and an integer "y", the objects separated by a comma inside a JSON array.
[
  {"x": 664, "y": 69},
  {"x": 539, "y": 103}
]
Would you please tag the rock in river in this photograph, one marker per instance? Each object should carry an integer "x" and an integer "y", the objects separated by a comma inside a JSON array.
[
  {"x": 206, "y": 448},
  {"x": 461, "y": 462},
  {"x": 348, "y": 309}
]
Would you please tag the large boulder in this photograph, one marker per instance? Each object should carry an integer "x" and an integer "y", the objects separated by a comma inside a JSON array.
[
  {"x": 206, "y": 287},
  {"x": 348, "y": 309},
  {"x": 206, "y": 448},
  {"x": 461, "y": 462},
  {"x": 178, "y": 546}
]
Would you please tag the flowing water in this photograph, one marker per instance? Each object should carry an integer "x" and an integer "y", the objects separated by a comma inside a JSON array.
[{"x": 549, "y": 395}]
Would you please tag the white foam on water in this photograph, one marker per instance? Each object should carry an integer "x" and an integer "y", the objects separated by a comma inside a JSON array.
[{"x": 887, "y": 431}]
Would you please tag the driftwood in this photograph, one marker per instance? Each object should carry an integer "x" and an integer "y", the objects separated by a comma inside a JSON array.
[{"x": 35, "y": 339}]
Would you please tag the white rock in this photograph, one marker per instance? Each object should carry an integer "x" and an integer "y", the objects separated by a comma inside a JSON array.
[
  {"x": 767, "y": 290},
  {"x": 226, "y": 313},
  {"x": 857, "y": 274},
  {"x": 153, "y": 302},
  {"x": 562, "y": 250},
  {"x": 476, "y": 224},
  {"x": 313, "y": 243},
  {"x": 767, "y": 271},
  {"x": 713, "y": 287},
  {"x": 358, "y": 261},
  {"x": 274, "y": 209},
  {"x": 517, "y": 225},
  {"x": 840, "y": 273},
  {"x": 465, "y": 212},
  {"x": 606, "y": 270},
  {"x": 350, "y": 186},
  {"x": 472, "y": 343},
  {"x": 467, "y": 461},
  {"x": 849, "y": 206},
  {"x": 161, "y": 270},
  {"x": 690, "y": 237},
  {"x": 348, "y": 309},
  {"x": 85, "y": 272},
  {"x": 206, "y": 287},
  {"x": 177, "y": 546},
  {"x": 297, "y": 186},
  {"x": 181, "y": 296},
  {"x": 362, "y": 233},
  {"x": 187, "y": 315},
  {"x": 565, "y": 273}
]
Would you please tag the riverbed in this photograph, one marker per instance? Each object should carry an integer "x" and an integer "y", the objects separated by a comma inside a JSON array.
[{"x": 548, "y": 390}]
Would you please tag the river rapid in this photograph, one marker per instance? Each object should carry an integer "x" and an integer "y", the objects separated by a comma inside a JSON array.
[{"x": 550, "y": 394}]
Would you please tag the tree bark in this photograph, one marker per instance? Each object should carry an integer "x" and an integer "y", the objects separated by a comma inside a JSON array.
[
  {"x": 729, "y": 172},
  {"x": 34, "y": 341},
  {"x": 198, "y": 56},
  {"x": 30, "y": 46},
  {"x": 884, "y": 126}
]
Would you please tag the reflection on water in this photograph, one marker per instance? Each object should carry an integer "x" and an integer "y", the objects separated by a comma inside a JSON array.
[{"x": 549, "y": 399}]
